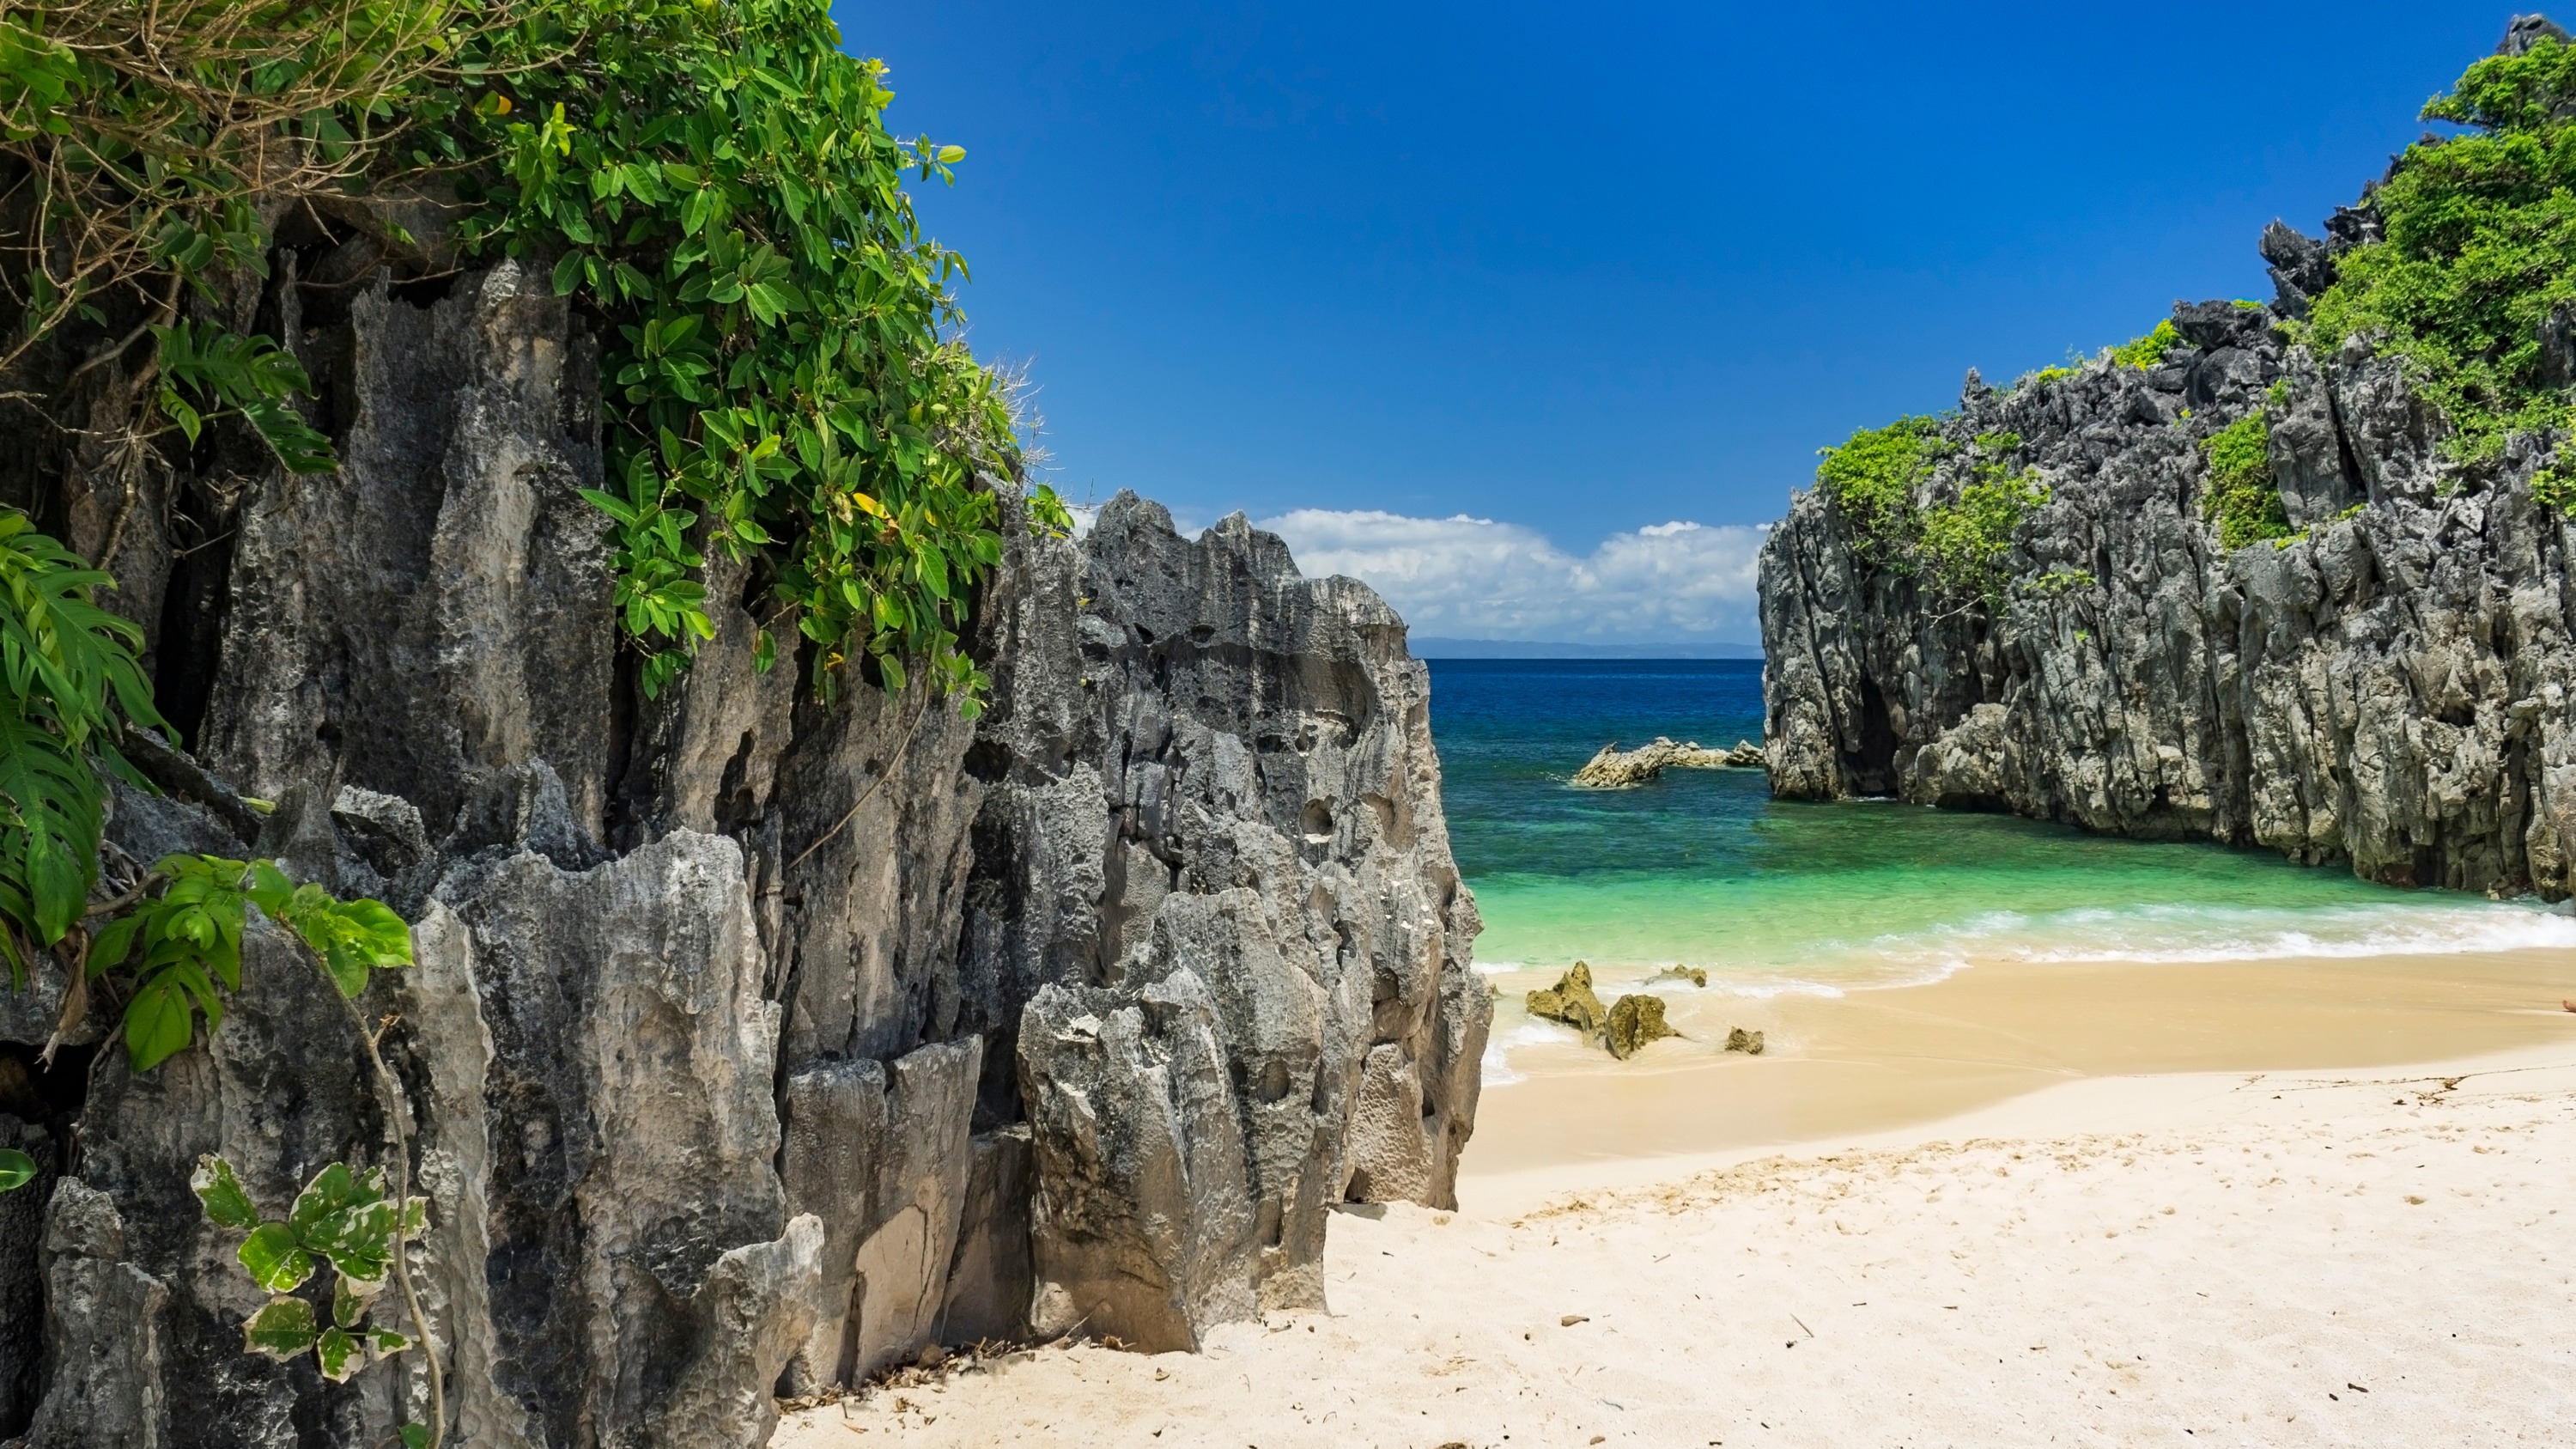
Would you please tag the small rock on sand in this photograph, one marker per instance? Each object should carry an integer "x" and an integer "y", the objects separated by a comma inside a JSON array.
[
  {"x": 1635, "y": 1021},
  {"x": 1692, "y": 974},
  {"x": 1747, "y": 1042},
  {"x": 1571, "y": 1001}
]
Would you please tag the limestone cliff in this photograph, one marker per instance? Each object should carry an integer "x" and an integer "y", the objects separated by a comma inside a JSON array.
[
  {"x": 753, "y": 1043},
  {"x": 2388, "y": 686}
]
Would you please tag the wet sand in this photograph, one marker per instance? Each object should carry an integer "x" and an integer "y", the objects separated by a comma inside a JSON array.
[{"x": 1857, "y": 1066}]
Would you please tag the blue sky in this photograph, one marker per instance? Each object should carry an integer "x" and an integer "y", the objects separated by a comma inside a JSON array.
[{"x": 1480, "y": 301}]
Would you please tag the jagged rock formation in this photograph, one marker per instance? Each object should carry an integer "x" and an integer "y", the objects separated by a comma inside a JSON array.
[
  {"x": 745, "y": 1046},
  {"x": 2391, "y": 687},
  {"x": 1571, "y": 1000},
  {"x": 1273, "y": 929},
  {"x": 1634, "y": 1021},
  {"x": 1612, "y": 768}
]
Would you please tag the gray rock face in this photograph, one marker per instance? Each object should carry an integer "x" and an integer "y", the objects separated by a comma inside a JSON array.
[
  {"x": 1242, "y": 815},
  {"x": 2389, "y": 688},
  {"x": 713, "y": 1058}
]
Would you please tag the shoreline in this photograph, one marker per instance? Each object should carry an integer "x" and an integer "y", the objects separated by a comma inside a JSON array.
[{"x": 1881, "y": 1062}]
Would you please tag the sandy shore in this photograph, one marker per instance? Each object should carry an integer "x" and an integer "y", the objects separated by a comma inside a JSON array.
[
  {"x": 1842, "y": 1069},
  {"x": 2275, "y": 1254}
]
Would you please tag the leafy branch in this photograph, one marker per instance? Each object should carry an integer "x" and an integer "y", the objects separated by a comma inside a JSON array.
[{"x": 785, "y": 389}]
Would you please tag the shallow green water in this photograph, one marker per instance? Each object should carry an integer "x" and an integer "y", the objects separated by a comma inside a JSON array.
[{"x": 1704, "y": 869}]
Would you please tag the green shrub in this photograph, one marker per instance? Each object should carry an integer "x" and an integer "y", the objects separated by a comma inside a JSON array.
[
  {"x": 785, "y": 388},
  {"x": 1959, "y": 548},
  {"x": 2060, "y": 581},
  {"x": 2554, "y": 487},
  {"x": 785, "y": 383},
  {"x": 1967, "y": 543},
  {"x": 1870, "y": 480},
  {"x": 2240, "y": 498},
  {"x": 2147, "y": 351},
  {"x": 2479, "y": 249}
]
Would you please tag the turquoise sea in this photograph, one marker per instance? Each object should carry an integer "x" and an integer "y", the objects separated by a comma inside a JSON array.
[{"x": 1704, "y": 869}]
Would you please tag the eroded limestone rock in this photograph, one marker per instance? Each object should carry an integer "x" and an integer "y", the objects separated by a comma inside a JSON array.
[
  {"x": 1222, "y": 771},
  {"x": 1634, "y": 1021},
  {"x": 714, "y": 1054},
  {"x": 1570, "y": 1000},
  {"x": 2393, "y": 688},
  {"x": 1613, "y": 768}
]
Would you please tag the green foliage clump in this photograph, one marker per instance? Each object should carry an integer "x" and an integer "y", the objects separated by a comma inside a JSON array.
[
  {"x": 785, "y": 384},
  {"x": 186, "y": 938},
  {"x": 1967, "y": 544},
  {"x": 2554, "y": 487},
  {"x": 2148, "y": 351},
  {"x": 1960, "y": 546},
  {"x": 150, "y": 140},
  {"x": 1870, "y": 481},
  {"x": 2479, "y": 250},
  {"x": 719, "y": 182},
  {"x": 2240, "y": 497}
]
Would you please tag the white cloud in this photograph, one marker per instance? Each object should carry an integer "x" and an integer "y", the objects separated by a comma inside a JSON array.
[{"x": 1474, "y": 578}]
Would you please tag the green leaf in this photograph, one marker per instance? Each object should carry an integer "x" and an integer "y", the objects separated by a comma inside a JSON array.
[
  {"x": 951, "y": 155},
  {"x": 282, "y": 1329},
  {"x": 350, "y": 1297},
  {"x": 384, "y": 1341},
  {"x": 337, "y": 1352},
  {"x": 159, "y": 1024},
  {"x": 226, "y": 1203},
  {"x": 275, "y": 1260},
  {"x": 568, "y": 271},
  {"x": 49, "y": 835},
  {"x": 113, "y": 943},
  {"x": 333, "y": 1191},
  {"x": 17, "y": 1169},
  {"x": 415, "y": 1436}
]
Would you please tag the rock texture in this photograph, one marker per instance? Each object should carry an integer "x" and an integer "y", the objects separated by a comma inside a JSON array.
[
  {"x": 2391, "y": 688},
  {"x": 1571, "y": 1000},
  {"x": 1270, "y": 943},
  {"x": 752, "y": 1046},
  {"x": 1634, "y": 1021},
  {"x": 1613, "y": 768}
]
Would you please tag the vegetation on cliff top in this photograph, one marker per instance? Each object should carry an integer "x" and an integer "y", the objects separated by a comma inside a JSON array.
[
  {"x": 715, "y": 179},
  {"x": 2473, "y": 282},
  {"x": 1959, "y": 548},
  {"x": 2477, "y": 265}
]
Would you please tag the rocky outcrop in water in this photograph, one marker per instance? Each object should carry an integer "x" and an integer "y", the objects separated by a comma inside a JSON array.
[
  {"x": 1634, "y": 1021},
  {"x": 1570, "y": 1000},
  {"x": 753, "y": 1045},
  {"x": 2393, "y": 687},
  {"x": 1613, "y": 768}
]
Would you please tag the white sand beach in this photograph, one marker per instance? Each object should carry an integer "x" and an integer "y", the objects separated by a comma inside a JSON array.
[{"x": 2287, "y": 1255}]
